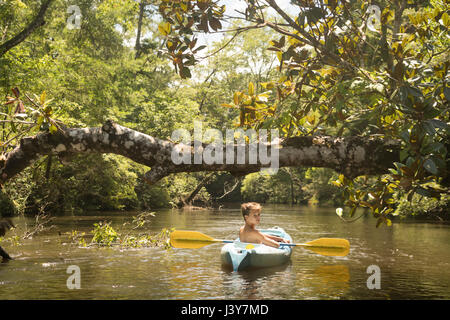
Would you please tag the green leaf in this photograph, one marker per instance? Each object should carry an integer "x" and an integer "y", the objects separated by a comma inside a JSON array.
[
  {"x": 164, "y": 28},
  {"x": 398, "y": 165},
  {"x": 199, "y": 48},
  {"x": 405, "y": 136},
  {"x": 352, "y": 211},
  {"x": 227, "y": 105},
  {"x": 39, "y": 121},
  {"x": 337, "y": 183},
  {"x": 185, "y": 73},
  {"x": 251, "y": 89},
  {"x": 429, "y": 128},
  {"x": 267, "y": 85},
  {"x": 215, "y": 24},
  {"x": 399, "y": 70},
  {"x": 402, "y": 93},
  {"x": 447, "y": 93},
  {"x": 393, "y": 171},
  {"x": 403, "y": 155},
  {"x": 423, "y": 192},
  {"x": 53, "y": 128},
  {"x": 445, "y": 19},
  {"x": 314, "y": 14},
  {"x": 42, "y": 99},
  {"x": 434, "y": 147},
  {"x": 430, "y": 166},
  {"x": 237, "y": 97},
  {"x": 415, "y": 92},
  {"x": 436, "y": 123}
]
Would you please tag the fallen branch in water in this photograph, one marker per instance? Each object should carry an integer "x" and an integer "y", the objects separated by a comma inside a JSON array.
[
  {"x": 41, "y": 222},
  {"x": 104, "y": 235}
]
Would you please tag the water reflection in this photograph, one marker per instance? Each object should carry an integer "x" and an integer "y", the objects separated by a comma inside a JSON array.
[
  {"x": 332, "y": 281},
  {"x": 257, "y": 283}
]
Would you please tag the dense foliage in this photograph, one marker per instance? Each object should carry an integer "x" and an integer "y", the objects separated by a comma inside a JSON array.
[{"x": 312, "y": 67}]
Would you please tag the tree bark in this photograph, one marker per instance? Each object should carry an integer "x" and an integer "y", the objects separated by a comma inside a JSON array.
[
  {"x": 188, "y": 200},
  {"x": 139, "y": 28},
  {"x": 351, "y": 156},
  {"x": 36, "y": 23}
]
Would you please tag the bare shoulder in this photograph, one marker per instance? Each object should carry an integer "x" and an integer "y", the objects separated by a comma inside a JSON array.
[
  {"x": 241, "y": 234},
  {"x": 253, "y": 236}
]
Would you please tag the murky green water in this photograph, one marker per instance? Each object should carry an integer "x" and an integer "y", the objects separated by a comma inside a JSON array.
[{"x": 413, "y": 259}]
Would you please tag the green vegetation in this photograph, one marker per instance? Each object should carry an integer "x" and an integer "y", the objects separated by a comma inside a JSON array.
[
  {"x": 322, "y": 71},
  {"x": 423, "y": 208},
  {"x": 104, "y": 235},
  {"x": 294, "y": 186}
]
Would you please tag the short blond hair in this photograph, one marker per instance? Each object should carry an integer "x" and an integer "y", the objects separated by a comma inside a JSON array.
[{"x": 247, "y": 207}]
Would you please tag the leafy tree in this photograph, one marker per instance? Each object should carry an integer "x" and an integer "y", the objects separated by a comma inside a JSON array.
[{"x": 91, "y": 73}]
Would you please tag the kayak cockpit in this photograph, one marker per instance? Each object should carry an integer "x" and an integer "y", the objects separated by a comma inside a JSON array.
[{"x": 242, "y": 255}]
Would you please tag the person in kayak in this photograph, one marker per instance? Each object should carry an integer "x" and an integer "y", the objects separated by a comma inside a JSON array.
[{"x": 251, "y": 212}]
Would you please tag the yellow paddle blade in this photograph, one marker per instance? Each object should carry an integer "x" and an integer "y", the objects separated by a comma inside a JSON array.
[
  {"x": 329, "y": 246},
  {"x": 329, "y": 243},
  {"x": 190, "y": 239}
]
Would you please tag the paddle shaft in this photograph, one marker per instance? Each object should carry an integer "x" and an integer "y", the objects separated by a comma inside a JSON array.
[
  {"x": 290, "y": 244},
  {"x": 281, "y": 244},
  {"x": 308, "y": 245}
]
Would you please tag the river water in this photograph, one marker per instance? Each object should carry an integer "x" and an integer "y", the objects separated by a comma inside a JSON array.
[{"x": 412, "y": 260}]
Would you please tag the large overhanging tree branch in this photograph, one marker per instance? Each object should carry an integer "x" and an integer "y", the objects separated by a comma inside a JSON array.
[
  {"x": 34, "y": 24},
  {"x": 352, "y": 156}
]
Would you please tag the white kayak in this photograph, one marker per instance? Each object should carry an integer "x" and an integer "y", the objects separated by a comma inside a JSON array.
[{"x": 242, "y": 255}]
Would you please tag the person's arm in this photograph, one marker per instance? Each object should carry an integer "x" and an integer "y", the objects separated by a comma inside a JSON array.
[{"x": 264, "y": 239}]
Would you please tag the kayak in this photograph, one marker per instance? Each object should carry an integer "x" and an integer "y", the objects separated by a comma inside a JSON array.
[{"x": 242, "y": 255}]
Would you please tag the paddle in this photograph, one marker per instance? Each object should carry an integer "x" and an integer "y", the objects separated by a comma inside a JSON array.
[{"x": 323, "y": 246}]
